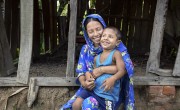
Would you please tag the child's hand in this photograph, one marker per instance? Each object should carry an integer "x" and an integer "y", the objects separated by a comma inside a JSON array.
[{"x": 108, "y": 84}]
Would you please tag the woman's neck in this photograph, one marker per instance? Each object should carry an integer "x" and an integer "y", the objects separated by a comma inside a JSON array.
[{"x": 96, "y": 45}]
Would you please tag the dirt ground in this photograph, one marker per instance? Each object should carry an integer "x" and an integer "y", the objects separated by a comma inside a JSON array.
[{"x": 49, "y": 98}]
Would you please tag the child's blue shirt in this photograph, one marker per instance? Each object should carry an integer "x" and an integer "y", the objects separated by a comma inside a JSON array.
[{"x": 112, "y": 94}]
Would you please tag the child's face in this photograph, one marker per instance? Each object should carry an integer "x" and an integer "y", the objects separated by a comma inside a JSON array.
[
  {"x": 94, "y": 31},
  {"x": 109, "y": 39}
]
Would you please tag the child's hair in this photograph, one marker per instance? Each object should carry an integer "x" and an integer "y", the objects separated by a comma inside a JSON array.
[
  {"x": 89, "y": 20},
  {"x": 117, "y": 31}
]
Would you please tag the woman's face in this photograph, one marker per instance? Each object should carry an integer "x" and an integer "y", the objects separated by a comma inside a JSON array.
[{"x": 94, "y": 31}]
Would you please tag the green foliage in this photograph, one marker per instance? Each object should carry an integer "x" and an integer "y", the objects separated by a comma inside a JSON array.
[
  {"x": 40, "y": 4},
  {"x": 65, "y": 11},
  {"x": 92, "y": 4},
  {"x": 62, "y": 7}
]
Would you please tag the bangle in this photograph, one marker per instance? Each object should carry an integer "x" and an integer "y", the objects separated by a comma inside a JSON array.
[
  {"x": 114, "y": 78},
  {"x": 100, "y": 69}
]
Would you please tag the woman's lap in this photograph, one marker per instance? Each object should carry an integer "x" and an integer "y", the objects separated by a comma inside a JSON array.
[{"x": 92, "y": 102}]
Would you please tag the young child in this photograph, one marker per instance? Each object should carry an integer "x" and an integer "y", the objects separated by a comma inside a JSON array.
[{"x": 110, "y": 56}]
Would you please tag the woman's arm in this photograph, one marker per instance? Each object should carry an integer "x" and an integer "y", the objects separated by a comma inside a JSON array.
[{"x": 82, "y": 69}]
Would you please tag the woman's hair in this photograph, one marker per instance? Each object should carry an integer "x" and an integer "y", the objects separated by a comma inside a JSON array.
[
  {"x": 117, "y": 32},
  {"x": 89, "y": 20}
]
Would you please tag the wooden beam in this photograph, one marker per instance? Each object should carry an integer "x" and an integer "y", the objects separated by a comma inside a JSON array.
[
  {"x": 157, "y": 36},
  {"x": 55, "y": 81},
  {"x": 68, "y": 82},
  {"x": 156, "y": 80},
  {"x": 9, "y": 81},
  {"x": 6, "y": 61},
  {"x": 26, "y": 40},
  {"x": 176, "y": 70},
  {"x": 32, "y": 92},
  {"x": 138, "y": 80},
  {"x": 71, "y": 39}
]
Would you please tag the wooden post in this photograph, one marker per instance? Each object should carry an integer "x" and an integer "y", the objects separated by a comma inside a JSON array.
[
  {"x": 6, "y": 63},
  {"x": 176, "y": 70},
  {"x": 32, "y": 92},
  {"x": 26, "y": 40},
  {"x": 71, "y": 39},
  {"x": 157, "y": 36}
]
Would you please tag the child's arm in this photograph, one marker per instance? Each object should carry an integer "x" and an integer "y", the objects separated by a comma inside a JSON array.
[
  {"x": 112, "y": 69},
  {"x": 120, "y": 66},
  {"x": 104, "y": 69},
  {"x": 109, "y": 83}
]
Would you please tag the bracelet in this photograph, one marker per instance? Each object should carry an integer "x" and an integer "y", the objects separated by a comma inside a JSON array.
[{"x": 100, "y": 69}]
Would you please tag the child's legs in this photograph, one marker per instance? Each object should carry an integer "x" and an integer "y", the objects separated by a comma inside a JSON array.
[
  {"x": 110, "y": 105},
  {"x": 77, "y": 103},
  {"x": 80, "y": 97},
  {"x": 104, "y": 104}
]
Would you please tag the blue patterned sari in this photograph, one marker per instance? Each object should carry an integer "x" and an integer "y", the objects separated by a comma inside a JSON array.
[{"x": 85, "y": 63}]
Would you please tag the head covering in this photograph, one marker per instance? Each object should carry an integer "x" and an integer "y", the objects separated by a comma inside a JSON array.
[
  {"x": 88, "y": 51},
  {"x": 88, "y": 40}
]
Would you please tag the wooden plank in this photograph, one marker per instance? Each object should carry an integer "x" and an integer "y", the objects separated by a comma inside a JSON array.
[
  {"x": 54, "y": 9},
  {"x": 137, "y": 47},
  {"x": 53, "y": 23},
  {"x": 176, "y": 70},
  {"x": 9, "y": 81},
  {"x": 68, "y": 82},
  {"x": 26, "y": 41},
  {"x": 151, "y": 17},
  {"x": 5, "y": 50},
  {"x": 55, "y": 81},
  {"x": 15, "y": 27},
  {"x": 125, "y": 22},
  {"x": 62, "y": 28},
  {"x": 8, "y": 17},
  {"x": 146, "y": 28},
  {"x": 36, "y": 30},
  {"x": 71, "y": 39},
  {"x": 2, "y": 68},
  {"x": 138, "y": 80},
  {"x": 32, "y": 92},
  {"x": 157, "y": 36},
  {"x": 102, "y": 7},
  {"x": 46, "y": 22},
  {"x": 156, "y": 80},
  {"x": 131, "y": 25}
]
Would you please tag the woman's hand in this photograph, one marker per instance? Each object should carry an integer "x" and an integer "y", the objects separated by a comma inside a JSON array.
[
  {"x": 89, "y": 84},
  {"x": 108, "y": 83},
  {"x": 89, "y": 76}
]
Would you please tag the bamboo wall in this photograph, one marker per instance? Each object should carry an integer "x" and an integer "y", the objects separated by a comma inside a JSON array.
[{"x": 133, "y": 17}]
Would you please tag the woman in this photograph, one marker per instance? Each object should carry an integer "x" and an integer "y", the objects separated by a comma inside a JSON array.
[{"x": 91, "y": 49}]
